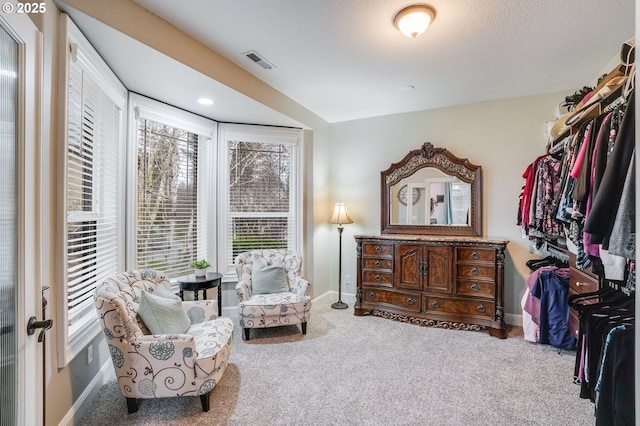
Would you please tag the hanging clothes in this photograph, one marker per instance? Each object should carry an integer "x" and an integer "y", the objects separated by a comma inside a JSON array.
[
  {"x": 536, "y": 310},
  {"x": 605, "y": 205},
  {"x": 594, "y": 213},
  {"x": 622, "y": 241},
  {"x": 551, "y": 288},
  {"x": 604, "y": 364}
]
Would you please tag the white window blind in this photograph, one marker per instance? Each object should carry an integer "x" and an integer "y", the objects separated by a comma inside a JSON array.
[
  {"x": 168, "y": 224},
  {"x": 261, "y": 211},
  {"x": 92, "y": 201},
  {"x": 171, "y": 158}
]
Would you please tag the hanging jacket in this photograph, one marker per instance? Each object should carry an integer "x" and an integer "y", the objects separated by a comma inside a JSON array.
[{"x": 551, "y": 288}]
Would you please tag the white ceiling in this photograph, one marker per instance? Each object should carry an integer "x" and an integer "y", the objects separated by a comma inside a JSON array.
[{"x": 344, "y": 59}]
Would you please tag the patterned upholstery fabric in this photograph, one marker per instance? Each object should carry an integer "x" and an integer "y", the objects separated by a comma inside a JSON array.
[
  {"x": 272, "y": 310},
  {"x": 155, "y": 366}
]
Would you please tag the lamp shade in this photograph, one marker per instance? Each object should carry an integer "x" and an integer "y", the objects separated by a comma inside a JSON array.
[
  {"x": 414, "y": 20},
  {"x": 340, "y": 215}
]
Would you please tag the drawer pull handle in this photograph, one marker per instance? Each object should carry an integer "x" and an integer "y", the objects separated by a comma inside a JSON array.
[
  {"x": 474, "y": 255},
  {"x": 378, "y": 278},
  {"x": 409, "y": 301},
  {"x": 474, "y": 287},
  {"x": 372, "y": 294},
  {"x": 378, "y": 249},
  {"x": 474, "y": 271},
  {"x": 481, "y": 309},
  {"x": 378, "y": 263},
  {"x": 579, "y": 284},
  {"x": 435, "y": 304}
]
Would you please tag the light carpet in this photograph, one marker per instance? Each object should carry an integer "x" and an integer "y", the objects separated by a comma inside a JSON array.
[{"x": 372, "y": 371}]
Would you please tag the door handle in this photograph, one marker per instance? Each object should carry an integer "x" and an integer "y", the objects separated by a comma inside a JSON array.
[{"x": 44, "y": 325}]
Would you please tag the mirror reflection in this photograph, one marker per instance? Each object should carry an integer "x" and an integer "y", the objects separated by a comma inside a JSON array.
[
  {"x": 430, "y": 197},
  {"x": 432, "y": 192}
]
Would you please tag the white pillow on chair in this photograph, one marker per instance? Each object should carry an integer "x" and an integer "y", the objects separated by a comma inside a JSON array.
[
  {"x": 163, "y": 315},
  {"x": 269, "y": 279}
]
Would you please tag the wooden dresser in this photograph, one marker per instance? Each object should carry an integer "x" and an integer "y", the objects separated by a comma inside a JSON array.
[
  {"x": 439, "y": 281},
  {"x": 580, "y": 281}
]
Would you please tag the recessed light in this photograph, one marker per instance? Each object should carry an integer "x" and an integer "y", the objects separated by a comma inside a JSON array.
[{"x": 205, "y": 101}]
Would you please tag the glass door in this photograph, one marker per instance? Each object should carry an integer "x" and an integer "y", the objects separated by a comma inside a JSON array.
[
  {"x": 8, "y": 225},
  {"x": 21, "y": 367}
]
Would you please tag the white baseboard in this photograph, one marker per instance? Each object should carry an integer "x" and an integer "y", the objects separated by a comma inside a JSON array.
[
  {"x": 513, "y": 319},
  {"x": 349, "y": 298},
  {"x": 76, "y": 412}
]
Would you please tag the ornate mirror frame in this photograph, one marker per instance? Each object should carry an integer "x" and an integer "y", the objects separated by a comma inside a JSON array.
[{"x": 446, "y": 162}]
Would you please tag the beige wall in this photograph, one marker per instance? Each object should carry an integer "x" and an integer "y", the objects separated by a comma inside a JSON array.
[{"x": 502, "y": 136}]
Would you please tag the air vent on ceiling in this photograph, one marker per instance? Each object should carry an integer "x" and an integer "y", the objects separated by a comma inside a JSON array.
[{"x": 258, "y": 59}]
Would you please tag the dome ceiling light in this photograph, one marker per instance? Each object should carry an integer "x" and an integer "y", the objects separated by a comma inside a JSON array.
[{"x": 414, "y": 20}]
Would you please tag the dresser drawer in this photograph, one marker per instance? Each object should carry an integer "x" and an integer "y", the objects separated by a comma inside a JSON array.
[
  {"x": 373, "y": 263},
  {"x": 384, "y": 279},
  {"x": 581, "y": 282},
  {"x": 377, "y": 249},
  {"x": 459, "y": 306},
  {"x": 476, "y": 255},
  {"x": 476, "y": 271},
  {"x": 475, "y": 288},
  {"x": 404, "y": 301},
  {"x": 574, "y": 323}
]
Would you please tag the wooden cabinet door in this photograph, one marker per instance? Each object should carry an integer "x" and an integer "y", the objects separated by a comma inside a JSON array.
[
  {"x": 439, "y": 261},
  {"x": 408, "y": 266},
  {"x": 424, "y": 268}
]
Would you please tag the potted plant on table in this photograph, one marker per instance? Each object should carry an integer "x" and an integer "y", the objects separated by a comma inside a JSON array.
[{"x": 200, "y": 267}]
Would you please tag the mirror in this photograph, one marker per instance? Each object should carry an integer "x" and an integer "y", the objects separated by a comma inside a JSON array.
[{"x": 431, "y": 191}]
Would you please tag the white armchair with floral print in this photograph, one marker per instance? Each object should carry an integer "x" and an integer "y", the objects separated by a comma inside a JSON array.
[
  {"x": 165, "y": 365},
  {"x": 290, "y": 306}
]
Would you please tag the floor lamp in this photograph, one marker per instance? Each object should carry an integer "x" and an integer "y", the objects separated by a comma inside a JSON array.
[{"x": 340, "y": 216}]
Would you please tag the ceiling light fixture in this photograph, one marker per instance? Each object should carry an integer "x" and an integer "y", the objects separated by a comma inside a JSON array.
[
  {"x": 205, "y": 101},
  {"x": 414, "y": 20}
]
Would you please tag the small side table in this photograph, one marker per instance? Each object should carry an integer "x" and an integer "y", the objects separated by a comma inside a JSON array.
[{"x": 195, "y": 284}]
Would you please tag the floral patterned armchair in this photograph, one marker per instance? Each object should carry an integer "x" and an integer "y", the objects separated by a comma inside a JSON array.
[
  {"x": 156, "y": 366},
  {"x": 276, "y": 309}
]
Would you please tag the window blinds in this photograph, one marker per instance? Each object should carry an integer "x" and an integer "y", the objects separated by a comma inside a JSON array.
[
  {"x": 91, "y": 194},
  {"x": 167, "y": 223}
]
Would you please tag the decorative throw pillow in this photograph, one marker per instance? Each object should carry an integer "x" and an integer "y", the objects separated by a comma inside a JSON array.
[
  {"x": 161, "y": 290},
  {"x": 163, "y": 315},
  {"x": 267, "y": 279}
]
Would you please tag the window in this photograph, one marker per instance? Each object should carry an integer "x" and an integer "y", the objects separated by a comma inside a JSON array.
[
  {"x": 93, "y": 183},
  {"x": 260, "y": 199},
  {"x": 173, "y": 205},
  {"x": 187, "y": 196}
]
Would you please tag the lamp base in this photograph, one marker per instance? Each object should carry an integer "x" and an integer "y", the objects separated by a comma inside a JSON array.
[{"x": 339, "y": 305}]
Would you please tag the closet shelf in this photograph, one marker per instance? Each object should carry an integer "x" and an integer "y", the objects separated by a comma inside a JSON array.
[{"x": 601, "y": 106}]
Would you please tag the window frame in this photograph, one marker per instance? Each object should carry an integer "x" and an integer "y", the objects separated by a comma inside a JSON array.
[
  {"x": 72, "y": 340},
  {"x": 143, "y": 107},
  {"x": 257, "y": 134}
]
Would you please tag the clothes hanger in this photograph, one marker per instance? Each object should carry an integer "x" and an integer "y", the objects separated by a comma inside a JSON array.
[
  {"x": 617, "y": 301},
  {"x": 603, "y": 292}
]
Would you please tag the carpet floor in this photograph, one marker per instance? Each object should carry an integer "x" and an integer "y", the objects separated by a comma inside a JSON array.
[{"x": 372, "y": 371}]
